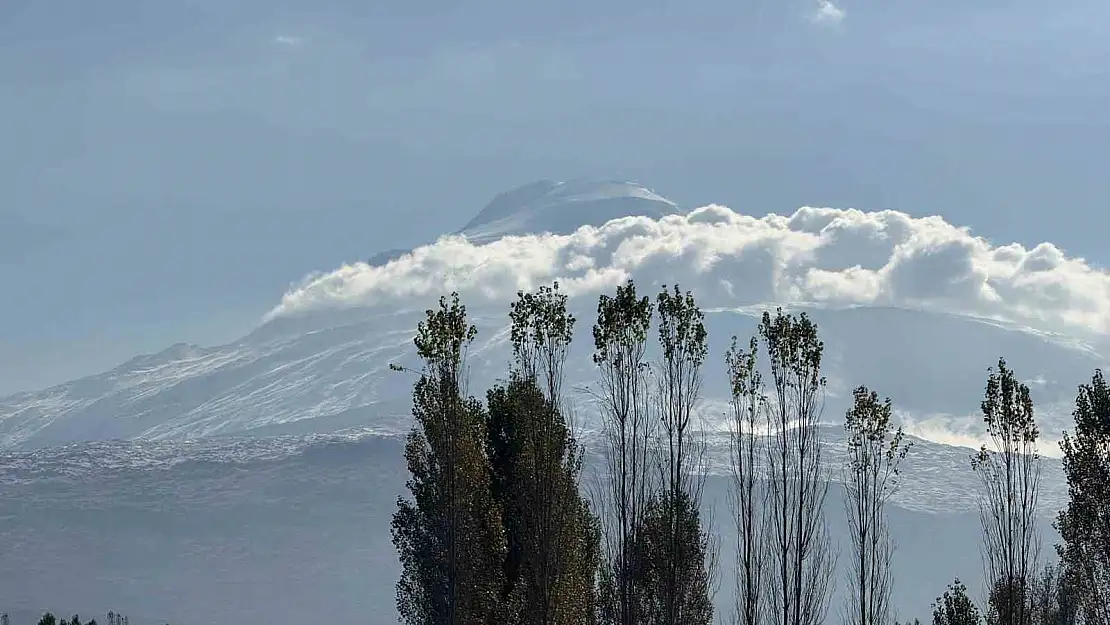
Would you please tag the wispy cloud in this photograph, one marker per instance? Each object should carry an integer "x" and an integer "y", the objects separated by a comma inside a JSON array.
[
  {"x": 827, "y": 13},
  {"x": 291, "y": 41}
]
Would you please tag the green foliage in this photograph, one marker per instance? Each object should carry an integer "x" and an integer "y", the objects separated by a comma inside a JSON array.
[
  {"x": 623, "y": 321},
  {"x": 1007, "y": 409},
  {"x": 801, "y": 556},
  {"x": 794, "y": 350},
  {"x": 869, "y": 427},
  {"x": 682, "y": 334},
  {"x": 1084, "y": 525},
  {"x": 553, "y": 537},
  {"x": 541, "y": 332},
  {"x": 504, "y": 445},
  {"x": 682, "y": 340},
  {"x": 1010, "y": 603},
  {"x": 745, "y": 379},
  {"x": 954, "y": 607},
  {"x": 48, "y": 618},
  {"x": 1055, "y": 601},
  {"x": 449, "y": 535},
  {"x": 1009, "y": 477},
  {"x": 673, "y": 550},
  {"x": 875, "y": 453},
  {"x": 748, "y": 496},
  {"x": 672, "y": 577},
  {"x": 620, "y": 340}
]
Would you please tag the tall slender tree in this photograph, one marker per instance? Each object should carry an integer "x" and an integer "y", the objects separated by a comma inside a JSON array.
[
  {"x": 553, "y": 541},
  {"x": 876, "y": 449},
  {"x": 1084, "y": 525},
  {"x": 802, "y": 559},
  {"x": 448, "y": 535},
  {"x": 1009, "y": 478},
  {"x": 620, "y": 341},
  {"x": 676, "y": 552},
  {"x": 748, "y": 496}
]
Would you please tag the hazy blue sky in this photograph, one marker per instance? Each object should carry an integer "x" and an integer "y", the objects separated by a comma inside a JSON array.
[{"x": 167, "y": 168}]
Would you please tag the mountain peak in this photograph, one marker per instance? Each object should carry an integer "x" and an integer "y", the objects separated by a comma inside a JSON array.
[{"x": 563, "y": 207}]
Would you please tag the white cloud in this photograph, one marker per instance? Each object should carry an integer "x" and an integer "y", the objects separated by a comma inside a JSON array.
[
  {"x": 817, "y": 255},
  {"x": 827, "y": 13},
  {"x": 289, "y": 40},
  {"x": 968, "y": 430}
]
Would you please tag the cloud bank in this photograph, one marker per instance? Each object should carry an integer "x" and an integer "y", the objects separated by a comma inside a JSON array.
[{"x": 827, "y": 256}]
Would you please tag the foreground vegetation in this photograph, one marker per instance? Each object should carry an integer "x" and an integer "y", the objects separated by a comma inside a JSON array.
[
  {"x": 500, "y": 526},
  {"x": 48, "y": 618}
]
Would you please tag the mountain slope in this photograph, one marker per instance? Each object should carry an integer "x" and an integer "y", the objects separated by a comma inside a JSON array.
[
  {"x": 337, "y": 376},
  {"x": 912, "y": 307}
]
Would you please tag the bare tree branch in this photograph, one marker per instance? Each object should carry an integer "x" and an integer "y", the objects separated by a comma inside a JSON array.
[{"x": 748, "y": 496}]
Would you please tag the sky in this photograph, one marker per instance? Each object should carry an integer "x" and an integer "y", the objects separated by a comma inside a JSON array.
[{"x": 168, "y": 169}]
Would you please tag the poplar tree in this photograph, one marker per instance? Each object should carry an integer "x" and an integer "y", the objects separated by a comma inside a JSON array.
[
  {"x": 875, "y": 453},
  {"x": 748, "y": 494},
  {"x": 553, "y": 537},
  {"x": 1009, "y": 479},
  {"x": 448, "y": 534},
  {"x": 801, "y": 557},
  {"x": 676, "y": 554},
  {"x": 1084, "y": 525},
  {"x": 626, "y": 487}
]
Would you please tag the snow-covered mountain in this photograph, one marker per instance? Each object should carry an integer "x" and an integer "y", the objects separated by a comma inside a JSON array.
[
  {"x": 546, "y": 206},
  {"x": 563, "y": 207},
  {"x": 204, "y": 482},
  {"x": 875, "y": 282}
]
